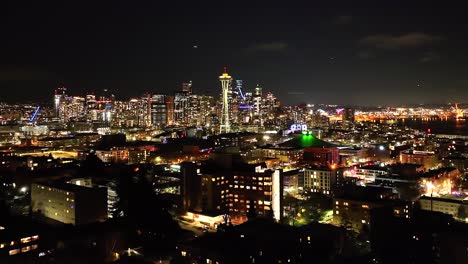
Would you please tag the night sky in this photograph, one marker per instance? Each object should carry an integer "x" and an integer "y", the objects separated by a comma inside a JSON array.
[{"x": 367, "y": 53}]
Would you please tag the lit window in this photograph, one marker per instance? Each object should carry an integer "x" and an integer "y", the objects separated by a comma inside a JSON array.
[
  {"x": 337, "y": 212},
  {"x": 14, "y": 252},
  {"x": 26, "y": 240},
  {"x": 183, "y": 253}
]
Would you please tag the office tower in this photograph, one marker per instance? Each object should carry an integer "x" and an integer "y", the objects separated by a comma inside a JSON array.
[
  {"x": 180, "y": 107},
  {"x": 158, "y": 110},
  {"x": 59, "y": 94},
  {"x": 170, "y": 109},
  {"x": 348, "y": 114},
  {"x": 70, "y": 108},
  {"x": 207, "y": 108},
  {"x": 225, "y": 80},
  {"x": 187, "y": 87},
  {"x": 193, "y": 111}
]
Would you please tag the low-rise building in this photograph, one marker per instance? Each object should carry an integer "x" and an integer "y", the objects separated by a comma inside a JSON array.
[
  {"x": 68, "y": 203},
  {"x": 426, "y": 158},
  {"x": 456, "y": 207},
  {"x": 17, "y": 241}
]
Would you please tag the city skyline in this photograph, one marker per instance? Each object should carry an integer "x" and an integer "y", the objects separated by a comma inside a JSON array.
[{"x": 360, "y": 55}]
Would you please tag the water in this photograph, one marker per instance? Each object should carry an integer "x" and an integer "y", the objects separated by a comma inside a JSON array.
[{"x": 438, "y": 125}]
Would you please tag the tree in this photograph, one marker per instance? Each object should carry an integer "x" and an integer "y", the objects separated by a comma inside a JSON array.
[
  {"x": 461, "y": 212},
  {"x": 144, "y": 214}
]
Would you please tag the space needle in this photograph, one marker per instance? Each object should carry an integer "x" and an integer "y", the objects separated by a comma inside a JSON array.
[{"x": 225, "y": 84}]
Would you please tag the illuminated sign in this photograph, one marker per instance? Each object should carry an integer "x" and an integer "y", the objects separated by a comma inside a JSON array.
[{"x": 298, "y": 127}]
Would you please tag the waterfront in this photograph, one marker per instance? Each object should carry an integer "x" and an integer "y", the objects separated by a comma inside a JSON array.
[{"x": 437, "y": 125}]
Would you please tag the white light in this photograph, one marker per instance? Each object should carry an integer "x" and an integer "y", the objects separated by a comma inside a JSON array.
[{"x": 24, "y": 189}]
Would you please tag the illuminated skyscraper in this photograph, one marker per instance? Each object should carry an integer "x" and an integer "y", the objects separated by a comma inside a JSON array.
[
  {"x": 158, "y": 110},
  {"x": 181, "y": 107},
  {"x": 170, "y": 109},
  {"x": 225, "y": 84},
  {"x": 59, "y": 94}
]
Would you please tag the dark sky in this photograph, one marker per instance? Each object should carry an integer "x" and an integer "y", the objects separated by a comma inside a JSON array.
[{"x": 367, "y": 52}]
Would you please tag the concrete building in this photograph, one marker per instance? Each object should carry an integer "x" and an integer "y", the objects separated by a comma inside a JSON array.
[
  {"x": 456, "y": 207},
  {"x": 113, "y": 155},
  {"x": 352, "y": 206},
  {"x": 234, "y": 192},
  {"x": 426, "y": 158},
  {"x": 67, "y": 203},
  {"x": 319, "y": 179}
]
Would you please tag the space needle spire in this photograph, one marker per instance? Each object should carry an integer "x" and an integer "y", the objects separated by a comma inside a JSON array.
[{"x": 225, "y": 80}]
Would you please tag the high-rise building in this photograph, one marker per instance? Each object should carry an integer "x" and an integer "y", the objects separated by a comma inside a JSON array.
[
  {"x": 348, "y": 114},
  {"x": 158, "y": 110},
  {"x": 180, "y": 107},
  {"x": 59, "y": 94},
  {"x": 170, "y": 109},
  {"x": 187, "y": 87},
  {"x": 70, "y": 108},
  {"x": 225, "y": 80}
]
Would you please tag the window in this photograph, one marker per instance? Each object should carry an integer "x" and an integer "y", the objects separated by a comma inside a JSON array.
[
  {"x": 26, "y": 240},
  {"x": 14, "y": 252}
]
